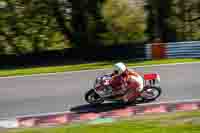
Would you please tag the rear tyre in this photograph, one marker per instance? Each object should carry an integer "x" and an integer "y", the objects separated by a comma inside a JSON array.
[
  {"x": 93, "y": 98},
  {"x": 151, "y": 93}
]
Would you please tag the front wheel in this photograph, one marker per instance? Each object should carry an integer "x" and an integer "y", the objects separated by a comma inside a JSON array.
[
  {"x": 151, "y": 93},
  {"x": 93, "y": 98}
]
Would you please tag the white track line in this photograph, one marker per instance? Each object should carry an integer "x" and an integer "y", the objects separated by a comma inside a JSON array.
[
  {"x": 43, "y": 114},
  {"x": 12, "y": 123},
  {"x": 34, "y": 115},
  {"x": 93, "y": 70}
]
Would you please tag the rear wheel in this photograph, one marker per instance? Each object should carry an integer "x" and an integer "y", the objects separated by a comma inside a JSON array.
[
  {"x": 151, "y": 93},
  {"x": 93, "y": 98}
]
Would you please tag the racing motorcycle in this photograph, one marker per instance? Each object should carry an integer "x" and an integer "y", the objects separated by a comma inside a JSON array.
[{"x": 102, "y": 92}]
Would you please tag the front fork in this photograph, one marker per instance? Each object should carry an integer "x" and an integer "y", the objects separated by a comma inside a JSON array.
[{"x": 149, "y": 82}]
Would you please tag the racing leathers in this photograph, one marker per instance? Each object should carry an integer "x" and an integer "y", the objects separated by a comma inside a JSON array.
[{"x": 127, "y": 85}]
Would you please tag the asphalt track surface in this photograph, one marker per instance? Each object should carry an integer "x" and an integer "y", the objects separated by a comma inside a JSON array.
[{"x": 64, "y": 91}]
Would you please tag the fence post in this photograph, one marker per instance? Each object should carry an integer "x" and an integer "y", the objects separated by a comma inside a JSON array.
[{"x": 158, "y": 49}]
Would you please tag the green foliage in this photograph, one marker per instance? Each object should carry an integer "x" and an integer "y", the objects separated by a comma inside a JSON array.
[
  {"x": 34, "y": 25},
  {"x": 173, "y": 20},
  {"x": 28, "y": 26},
  {"x": 158, "y": 22},
  {"x": 125, "y": 21},
  {"x": 186, "y": 18}
]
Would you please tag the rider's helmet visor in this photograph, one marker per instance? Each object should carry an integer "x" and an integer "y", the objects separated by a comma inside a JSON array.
[{"x": 116, "y": 72}]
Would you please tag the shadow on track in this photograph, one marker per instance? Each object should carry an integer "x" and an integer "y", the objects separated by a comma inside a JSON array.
[{"x": 87, "y": 108}]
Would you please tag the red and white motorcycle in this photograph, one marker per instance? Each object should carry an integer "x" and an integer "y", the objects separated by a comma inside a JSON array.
[{"x": 102, "y": 92}]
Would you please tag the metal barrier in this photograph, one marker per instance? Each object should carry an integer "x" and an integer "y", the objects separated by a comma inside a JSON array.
[
  {"x": 183, "y": 49},
  {"x": 189, "y": 49}
]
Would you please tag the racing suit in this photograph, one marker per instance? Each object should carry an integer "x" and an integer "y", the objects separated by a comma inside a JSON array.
[{"x": 129, "y": 85}]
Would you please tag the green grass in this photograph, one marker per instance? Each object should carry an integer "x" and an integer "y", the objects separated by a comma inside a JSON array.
[
  {"x": 182, "y": 122},
  {"x": 86, "y": 66}
]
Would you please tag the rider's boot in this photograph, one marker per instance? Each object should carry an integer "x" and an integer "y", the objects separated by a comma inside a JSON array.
[{"x": 131, "y": 95}]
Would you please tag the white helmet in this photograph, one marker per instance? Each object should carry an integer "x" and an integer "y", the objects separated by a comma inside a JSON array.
[{"x": 119, "y": 68}]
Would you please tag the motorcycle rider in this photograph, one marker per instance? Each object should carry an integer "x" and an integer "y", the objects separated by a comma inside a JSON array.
[{"x": 126, "y": 83}]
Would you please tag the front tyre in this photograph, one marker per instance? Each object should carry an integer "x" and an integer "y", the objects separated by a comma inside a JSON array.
[
  {"x": 93, "y": 98},
  {"x": 151, "y": 93}
]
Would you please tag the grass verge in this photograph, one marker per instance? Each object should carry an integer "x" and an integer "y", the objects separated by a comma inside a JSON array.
[
  {"x": 86, "y": 66},
  {"x": 182, "y": 122}
]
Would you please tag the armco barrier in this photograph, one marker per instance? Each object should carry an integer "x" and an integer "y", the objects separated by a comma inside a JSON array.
[
  {"x": 70, "y": 117},
  {"x": 183, "y": 49},
  {"x": 189, "y": 49}
]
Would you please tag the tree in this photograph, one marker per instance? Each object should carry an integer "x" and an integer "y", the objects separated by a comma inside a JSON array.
[
  {"x": 158, "y": 22},
  {"x": 87, "y": 22},
  {"x": 28, "y": 26},
  {"x": 125, "y": 21},
  {"x": 58, "y": 8},
  {"x": 187, "y": 17}
]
